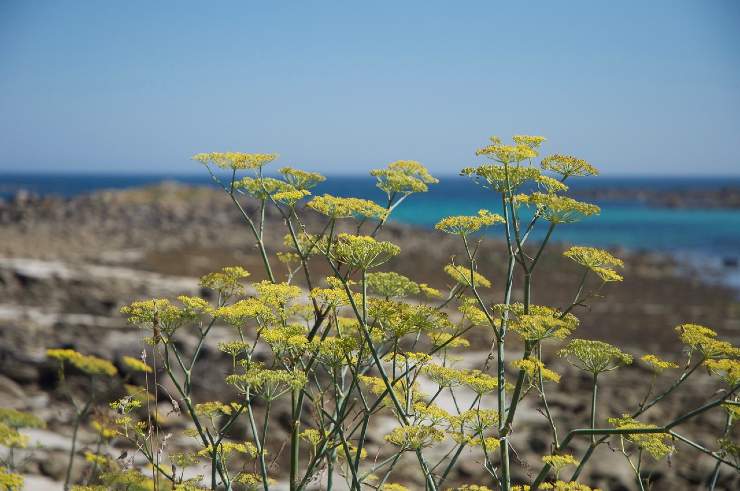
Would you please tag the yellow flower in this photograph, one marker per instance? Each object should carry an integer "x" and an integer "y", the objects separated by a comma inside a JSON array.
[
  {"x": 10, "y": 480},
  {"x": 462, "y": 275},
  {"x": 728, "y": 370},
  {"x": 237, "y": 314},
  {"x": 301, "y": 179},
  {"x": 335, "y": 207},
  {"x": 566, "y": 166},
  {"x": 594, "y": 356},
  {"x": 655, "y": 444},
  {"x": 529, "y": 141},
  {"x": 403, "y": 176},
  {"x": 89, "y": 364},
  {"x": 393, "y": 487},
  {"x": 227, "y": 281},
  {"x": 399, "y": 319},
  {"x": 533, "y": 367},
  {"x": 235, "y": 160},
  {"x": 414, "y": 437},
  {"x": 464, "y": 225},
  {"x": 597, "y": 260},
  {"x": 558, "y": 462},
  {"x": 509, "y": 154},
  {"x": 136, "y": 365},
  {"x": 504, "y": 178},
  {"x": 391, "y": 284},
  {"x": 702, "y": 339},
  {"x": 657, "y": 364},
  {"x": 558, "y": 209},
  {"x": 18, "y": 419},
  {"x": 363, "y": 252}
]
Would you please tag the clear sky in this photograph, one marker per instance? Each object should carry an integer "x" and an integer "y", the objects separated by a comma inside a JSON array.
[{"x": 643, "y": 87}]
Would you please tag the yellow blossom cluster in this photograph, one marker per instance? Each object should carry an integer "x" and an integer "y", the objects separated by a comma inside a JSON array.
[
  {"x": 136, "y": 365},
  {"x": 727, "y": 369},
  {"x": 658, "y": 364},
  {"x": 226, "y": 448},
  {"x": 335, "y": 207},
  {"x": 657, "y": 445},
  {"x": 567, "y": 166},
  {"x": 226, "y": 282},
  {"x": 557, "y": 486},
  {"x": 558, "y": 462},
  {"x": 510, "y": 154},
  {"x": 597, "y": 260},
  {"x": 10, "y": 480},
  {"x": 534, "y": 367},
  {"x": 703, "y": 339},
  {"x": 92, "y": 365},
  {"x": 414, "y": 437},
  {"x": 403, "y": 176},
  {"x": 301, "y": 179},
  {"x": 463, "y": 276},
  {"x": 271, "y": 382},
  {"x": 594, "y": 356},
  {"x": 238, "y": 313},
  {"x": 363, "y": 252},
  {"x": 558, "y": 209},
  {"x": 391, "y": 285},
  {"x": 235, "y": 160},
  {"x": 398, "y": 318},
  {"x": 464, "y": 225},
  {"x": 541, "y": 322}
]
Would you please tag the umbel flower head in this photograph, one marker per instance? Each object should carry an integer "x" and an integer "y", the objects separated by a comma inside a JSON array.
[
  {"x": 392, "y": 284},
  {"x": 657, "y": 445},
  {"x": 558, "y": 209},
  {"x": 597, "y": 260},
  {"x": 567, "y": 166},
  {"x": 301, "y": 179},
  {"x": 91, "y": 365},
  {"x": 335, "y": 207},
  {"x": 594, "y": 356},
  {"x": 465, "y": 277},
  {"x": 235, "y": 160},
  {"x": 464, "y": 225},
  {"x": 703, "y": 340},
  {"x": 363, "y": 252},
  {"x": 507, "y": 179},
  {"x": 523, "y": 149},
  {"x": 403, "y": 176}
]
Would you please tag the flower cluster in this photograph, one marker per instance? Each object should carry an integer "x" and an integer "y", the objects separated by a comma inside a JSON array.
[
  {"x": 658, "y": 364},
  {"x": 534, "y": 367},
  {"x": 301, "y": 179},
  {"x": 657, "y": 445},
  {"x": 558, "y": 209},
  {"x": 597, "y": 260},
  {"x": 594, "y": 356},
  {"x": 465, "y": 277},
  {"x": 335, "y": 207},
  {"x": 403, "y": 176},
  {"x": 703, "y": 340},
  {"x": 92, "y": 365},
  {"x": 567, "y": 166},
  {"x": 464, "y": 225},
  {"x": 235, "y": 160},
  {"x": 363, "y": 252}
]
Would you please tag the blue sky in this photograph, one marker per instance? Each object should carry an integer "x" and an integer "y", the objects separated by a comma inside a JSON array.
[{"x": 139, "y": 86}]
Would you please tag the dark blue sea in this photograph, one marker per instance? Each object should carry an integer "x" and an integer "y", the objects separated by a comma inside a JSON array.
[{"x": 703, "y": 234}]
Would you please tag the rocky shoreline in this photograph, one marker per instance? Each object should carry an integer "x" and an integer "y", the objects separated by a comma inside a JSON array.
[{"x": 67, "y": 265}]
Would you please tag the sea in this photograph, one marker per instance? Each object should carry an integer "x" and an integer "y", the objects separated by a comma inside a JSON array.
[{"x": 706, "y": 237}]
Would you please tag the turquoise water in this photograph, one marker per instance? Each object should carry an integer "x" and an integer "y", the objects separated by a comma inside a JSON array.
[{"x": 712, "y": 233}]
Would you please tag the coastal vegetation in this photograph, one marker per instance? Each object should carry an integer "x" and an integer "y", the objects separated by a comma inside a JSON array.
[{"x": 337, "y": 353}]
